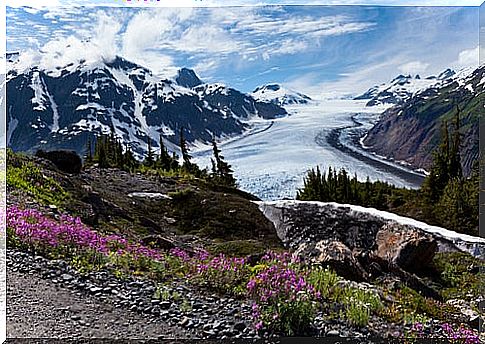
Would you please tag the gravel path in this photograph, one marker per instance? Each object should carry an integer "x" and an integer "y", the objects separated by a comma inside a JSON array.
[
  {"x": 39, "y": 308},
  {"x": 47, "y": 298}
]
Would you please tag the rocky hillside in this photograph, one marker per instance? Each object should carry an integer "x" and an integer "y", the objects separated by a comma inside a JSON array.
[
  {"x": 60, "y": 108},
  {"x": 191, "y": 259},
  {"x": 409, "y": 132}
]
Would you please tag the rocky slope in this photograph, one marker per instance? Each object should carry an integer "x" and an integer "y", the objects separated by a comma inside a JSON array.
[
  {"x": 179, "y": 218},
  {"x": 409, "y": 132},
  {"x": 60, "y": 108}
]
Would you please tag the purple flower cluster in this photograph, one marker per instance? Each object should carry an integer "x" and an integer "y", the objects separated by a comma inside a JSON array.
[
  {"x": 279, "y": 281},
  {"x": 283, "y": 300},
  {"x": 36, "y": 231},
  {"x": 220, "y": 263},
  {"x": 283, "y": 258},
  {"x": 460, "y": 335}
]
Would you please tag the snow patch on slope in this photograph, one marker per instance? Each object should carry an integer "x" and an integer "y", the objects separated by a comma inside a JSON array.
[{"x": 465, "y": 242}]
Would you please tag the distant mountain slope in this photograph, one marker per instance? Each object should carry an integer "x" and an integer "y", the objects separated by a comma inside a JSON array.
[
  {"x": 279, "y": 95},
  {"x": 61, "y": 108},
  {"x": 403, "y": 87},
  {"x": 411, "y": 131}
]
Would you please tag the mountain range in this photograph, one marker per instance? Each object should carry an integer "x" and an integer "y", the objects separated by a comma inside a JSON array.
[
  {"x": 412, "y": 129},
  {"x": 403, "y": 87},
  {"x": 276, "y": 94},
  {"x": 61, "y": 108}
]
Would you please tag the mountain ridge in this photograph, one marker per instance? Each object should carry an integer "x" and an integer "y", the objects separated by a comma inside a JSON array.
[
  {"x": 411, "y": 131},
  {"x": 61, "y": 109}
]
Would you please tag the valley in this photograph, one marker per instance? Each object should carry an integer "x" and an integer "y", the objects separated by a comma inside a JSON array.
[{"x": 272, "y": 163}]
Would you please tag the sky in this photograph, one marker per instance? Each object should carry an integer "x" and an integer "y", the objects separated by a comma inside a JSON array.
[{"x": 318, "y": 50}]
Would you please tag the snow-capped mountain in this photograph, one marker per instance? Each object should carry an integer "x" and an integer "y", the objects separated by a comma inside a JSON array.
[
  {"x": 12, "y": 56},
  {"x": 279, "y": 95},
  {"x": 61, "y": 108},
  {"x": 411, "y": 131},
  {"x": 243, "y": 106},
  {"x": 403, "y": 87}
]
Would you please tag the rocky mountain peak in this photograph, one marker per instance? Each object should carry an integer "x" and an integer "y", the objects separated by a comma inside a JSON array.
[{"x": 187, "y": 78}]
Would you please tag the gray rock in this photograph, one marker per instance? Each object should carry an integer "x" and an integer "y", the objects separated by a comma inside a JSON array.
[{"x": 240, "y": 326}]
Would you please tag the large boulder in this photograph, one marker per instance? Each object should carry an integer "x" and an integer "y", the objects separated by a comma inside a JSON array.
[
  {"x": 65, "y": 160},
  {"x": 335, "y": 255},
  {"x": 410, "y": 249}
]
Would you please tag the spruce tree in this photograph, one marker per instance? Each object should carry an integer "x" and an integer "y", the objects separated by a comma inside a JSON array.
[
  {"x": 149, "y": 159},
  {"x": 455, "y": 169},
  {"x": 164, "y": 159},
  {"x": 89, "y": 151},
  {"x": 439, "y": 174},
  {"x": 221, "y": 170},
  {"x": 184, "y": 150}
]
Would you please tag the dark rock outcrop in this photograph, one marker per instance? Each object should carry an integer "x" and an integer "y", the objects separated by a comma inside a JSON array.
[
  {"x": 409, "y": 249},
  {"x": 187, "y": 78},
  {"x": 159, "y": 242},
  {"x": 336, "y": 255},
  {"x": 64, "y": 160}
]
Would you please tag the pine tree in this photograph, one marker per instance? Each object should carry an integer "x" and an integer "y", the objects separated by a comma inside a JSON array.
[
  {"x": 455, "y": 169},
  {"x": 89, "y": 151},
  {"x": 184, "y": 150},
  {"x": 221, "y": 170},
  {"x": 149, "y": 159}
]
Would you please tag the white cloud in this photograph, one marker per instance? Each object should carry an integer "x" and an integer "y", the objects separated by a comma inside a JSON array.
[
  {"x": 210, "y": 39},
  {"x": 290, "y": 46},
  {"x": 414, "y": 67},
  {"x": 469, "y": 57}
]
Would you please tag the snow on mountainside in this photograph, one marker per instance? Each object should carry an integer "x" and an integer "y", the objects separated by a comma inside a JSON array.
[
  {"x": 404, "y": 87},
  {"x": 411, "y": 131},
  {"x": 51, "y": 108},
  {"x": 279, "y": 95}
]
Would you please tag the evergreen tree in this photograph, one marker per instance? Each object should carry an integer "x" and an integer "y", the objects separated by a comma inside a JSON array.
[
  {"x": 221, "y": 170},
  {"x": 455, "y": 169},
  {"x": 164, "y": 159},
  {"x": 187, "y": 165},
  {"x": 150, "y": 158},
  {"x": 89, "y": 151},
  {"x": 439, "y": 175},
  {"x": 184, "y": 150}
]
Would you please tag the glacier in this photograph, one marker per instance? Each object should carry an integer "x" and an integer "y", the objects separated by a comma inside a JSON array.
[{"x": 272, "y": 163}]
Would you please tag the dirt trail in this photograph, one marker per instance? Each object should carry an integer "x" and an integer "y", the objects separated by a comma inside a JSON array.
[{"x": 37, "y": 308}]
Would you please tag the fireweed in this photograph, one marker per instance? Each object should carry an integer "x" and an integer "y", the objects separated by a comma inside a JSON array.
[
  {"x": 283, "y": 300},
  {"x": 455, "y": 335},
  {"x": 30, "y": 230},
  {"x": 285, "y": 292}
]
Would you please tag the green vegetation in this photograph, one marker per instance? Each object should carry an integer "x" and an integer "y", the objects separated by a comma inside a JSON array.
[
  {"x": 109, "y": 152},
  {"x": 23, "y": 174},
  {"x": 460, "y": 275},
  {"x": 238, "y": 248},
  {"x": 445, "y": 199}
]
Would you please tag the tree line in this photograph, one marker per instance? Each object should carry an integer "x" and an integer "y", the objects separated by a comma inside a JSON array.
[
  {"x": 107, "y": 151},
  {"x": 446, "y": 198}
]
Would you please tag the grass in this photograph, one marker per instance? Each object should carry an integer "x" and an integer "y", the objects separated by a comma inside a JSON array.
[
  {"x": 23, "y": 174},
  {"x": 455, "y": 275},
  {"x": 238, "y": 248}
]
